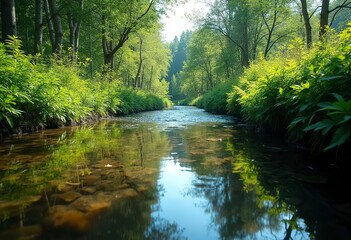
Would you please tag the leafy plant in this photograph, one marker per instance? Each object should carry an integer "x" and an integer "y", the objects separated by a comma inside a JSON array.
[{"x": 337, "y": 122}]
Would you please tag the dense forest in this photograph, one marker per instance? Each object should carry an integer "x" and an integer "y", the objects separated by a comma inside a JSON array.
[{"x": 282, "y": 65}]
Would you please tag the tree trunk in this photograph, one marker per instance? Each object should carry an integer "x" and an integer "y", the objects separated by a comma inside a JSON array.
[
  {"x": 308, "y": 27},
  {"x": 270, "y": 29},
  {"x": 38, "y": 38},
  {"x": 8, "y": 19},
  {"x": 74, "y": 30},
  {"x": 323, "y": 24},
  {"x": 151, "y": 75},
  {"x": 91, "y": 52},
  {"x": 50, "y": 24},
  {"x": 142, "y": 77},
  {"x": 56, "y": 19},
  {"x": 245, "y": 58},
  {"x": 137, "y": 77}
]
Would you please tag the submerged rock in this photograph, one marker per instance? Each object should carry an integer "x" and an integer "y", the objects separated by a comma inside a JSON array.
[
  {"x": 88, "y": 190},
  {"x": 23, "y": 233},
  {"x": 62, "y": 217},
  {"x": 68, "y": 196},
  {"x": 91, "y": 180},
  {"x": 126, "y": 193},
  {"x": 12, "y": 208},
  {"x": 92, "y": 203}
]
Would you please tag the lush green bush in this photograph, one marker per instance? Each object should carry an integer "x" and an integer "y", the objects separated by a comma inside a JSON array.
[
  {"x": 258, "y": 95},
  {"x": 215, "y": 101},
  {"x": 133, "y": 101},
  {"x": 15, "y": 71},
  {"x": 307, "y": 92},
  {"x": 322, "y": 100},
  {"x": 35, "y": 94}
]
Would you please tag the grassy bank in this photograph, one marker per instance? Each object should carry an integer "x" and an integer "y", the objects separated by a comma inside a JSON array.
[{"x": 40, "y": 93}]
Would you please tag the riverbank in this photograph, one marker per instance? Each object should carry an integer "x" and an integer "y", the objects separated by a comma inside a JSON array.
[{"x": 39, "y": 92}]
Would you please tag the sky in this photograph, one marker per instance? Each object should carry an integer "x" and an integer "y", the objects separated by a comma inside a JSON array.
[{"x": 178, "y": 20}]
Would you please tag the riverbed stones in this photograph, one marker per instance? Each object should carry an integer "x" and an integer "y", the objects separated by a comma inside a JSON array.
[
  {"x": 91, "y": 180},
  {"x": 68, "y": 196},
  {"x": 88, "y": 190},
  {"x": 61, "y": 217},
  {"x": 92, "y": 203},
  {"x": 126, "y": 193},
  {"x": 13, "y": 207},
  {"x": 23, "y": 233}
]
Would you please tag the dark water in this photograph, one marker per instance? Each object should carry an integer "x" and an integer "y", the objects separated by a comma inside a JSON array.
[{"x": 172, "y": 174}]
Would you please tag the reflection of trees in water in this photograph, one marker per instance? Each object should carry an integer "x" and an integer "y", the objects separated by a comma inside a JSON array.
[
  {"x": 240, "y": 203},
  {"x": 68, "y": 157},
  {"x": 131, "y": 219},
  {"x": 162, "y": 229}
]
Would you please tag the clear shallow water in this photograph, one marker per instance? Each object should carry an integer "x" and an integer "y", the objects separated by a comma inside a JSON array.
[{"x": 172, "y": 174}]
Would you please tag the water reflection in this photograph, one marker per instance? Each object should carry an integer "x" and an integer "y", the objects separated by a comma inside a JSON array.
[{"x": 175, "y": 174}]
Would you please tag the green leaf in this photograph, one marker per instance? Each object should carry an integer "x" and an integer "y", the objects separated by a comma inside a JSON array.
[
  {"x": 324, "y": 126},
  {"x": 9, "y": 121},
  {"x": 340, "y": 136}
]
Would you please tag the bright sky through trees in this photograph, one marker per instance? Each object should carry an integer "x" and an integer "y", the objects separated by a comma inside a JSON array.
[{"x": 178, "y": 19}]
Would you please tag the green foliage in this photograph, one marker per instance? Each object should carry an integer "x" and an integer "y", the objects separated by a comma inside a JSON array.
[
  {"x": 58, "y": 96},
  {"x": 336, "y": 122},
  {"x": 35, "y": 94},
  {"x": 133, "y": 101},
  {"x": 215, "y": 101},
  {"x": 306, "y": 92},
  {"x": 15, "y": 70}
]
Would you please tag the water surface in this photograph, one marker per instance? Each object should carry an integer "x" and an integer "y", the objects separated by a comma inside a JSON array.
[{"x": 171, "y": 174}]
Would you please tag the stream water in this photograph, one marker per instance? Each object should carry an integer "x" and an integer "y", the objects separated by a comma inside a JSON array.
[{"x": 173, "y": 174}]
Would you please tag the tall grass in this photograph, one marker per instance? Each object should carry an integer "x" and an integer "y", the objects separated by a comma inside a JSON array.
[{"x": 34, "y": 93}]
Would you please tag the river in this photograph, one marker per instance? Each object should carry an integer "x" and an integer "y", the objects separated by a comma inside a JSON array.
[{"x": 172, "y": 174}]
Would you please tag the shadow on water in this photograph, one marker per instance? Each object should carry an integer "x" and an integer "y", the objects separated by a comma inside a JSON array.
[{"x": 172, "y": 174}]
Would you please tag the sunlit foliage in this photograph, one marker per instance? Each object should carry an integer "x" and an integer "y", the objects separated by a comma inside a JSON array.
[{"x": 307, "y": 92}]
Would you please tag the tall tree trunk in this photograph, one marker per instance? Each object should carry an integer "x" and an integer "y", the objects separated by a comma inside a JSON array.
[
  {"x": 323, "y": 24},
  {"x": 151, "y": 75},
  {"x": 308, "y": 27},
  {"x": 38, "y": 37},
  {"x": 106, "y": 45},
  {"x": 74, "y": 30},
  {"x": 270, "y": 29},
  {"x": 8, "y": 19},
  {"x": 137, "y": 77},
  {"x": 142, "y": 77},
  {"x": 56, "y": 19},
  {"x": 91, "y": 52},
  {"x": 245, "y": 57},
  {"x": 49, "y": 22}
]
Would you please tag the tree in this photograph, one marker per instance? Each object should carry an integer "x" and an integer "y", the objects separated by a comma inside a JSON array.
[
  {"x": 203, "y": 57},
  {"x": 306, "y": 19},
  {"x": 74, "y": 13},
  {"x": 8, "y": 19},
  {"x": 130, "y": 16},
  {"x": 54, "y": 14},
  {"x": 324, "y": 18},
  {"x": 38, "y": 36}
]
